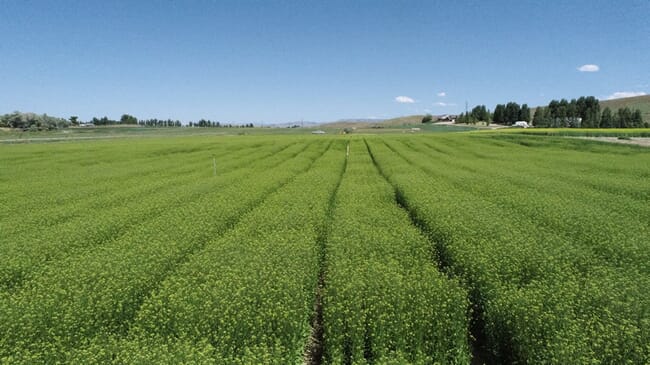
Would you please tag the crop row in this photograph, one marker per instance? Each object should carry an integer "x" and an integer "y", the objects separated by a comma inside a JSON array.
[
  {"x": 384, "y": 299},
  {"x": 542, "y": 287},
  {"x": 99, "y": 291}
]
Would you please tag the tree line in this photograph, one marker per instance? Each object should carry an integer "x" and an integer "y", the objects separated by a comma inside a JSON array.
[
  {"x": 37, "y": 122},
  {"x": 32, "y": 121},
  {"x": 506, "y": 114},
  {"x": 586, "y": 113},
  {"x": 203, "y": 123},
  {"x": 583, "y": 112}
]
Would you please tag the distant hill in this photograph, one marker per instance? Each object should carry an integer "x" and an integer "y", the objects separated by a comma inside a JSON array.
[
  {"x": 353, "y": 122},
  {"x": 636, "y": 102},
  {"x": 360, "y": 120},
  {"x": 367, "y": 123},
  {"x": 406, "y": 120}
]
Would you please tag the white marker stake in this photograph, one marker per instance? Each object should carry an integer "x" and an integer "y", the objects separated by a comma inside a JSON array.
[{"x": 347, "y": 152}]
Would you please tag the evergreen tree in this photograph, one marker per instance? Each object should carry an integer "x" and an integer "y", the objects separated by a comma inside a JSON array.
[
  {"x": 607, "y": 120},
  {"x": 479, "y": 113},
  {"x": 624, "y": 118},
  {"x": 512, "y": 113},
  {"x": 499, "y": 115},
  {"x": 539, "y": 119},
  {"x": 637, "y": 119},
  {"x": 524, "y": 113}
]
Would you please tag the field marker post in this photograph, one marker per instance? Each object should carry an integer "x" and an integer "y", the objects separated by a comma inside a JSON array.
[
  {"x": 347, "y": 151},
  {"x": 214, "y": 165}
]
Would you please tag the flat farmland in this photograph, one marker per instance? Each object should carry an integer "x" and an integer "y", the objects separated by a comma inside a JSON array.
[{"x": 454, "y": 248}]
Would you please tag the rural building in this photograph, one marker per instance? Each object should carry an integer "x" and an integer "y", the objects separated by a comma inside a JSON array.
[
  {"x": 447, "y": 118},
  {"x": 521, "y": 124}
]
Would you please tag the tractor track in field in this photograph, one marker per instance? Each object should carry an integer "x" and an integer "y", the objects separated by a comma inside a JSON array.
[
  {"x": 315, "y": 346},
  {"x": 441, "y": 258}
]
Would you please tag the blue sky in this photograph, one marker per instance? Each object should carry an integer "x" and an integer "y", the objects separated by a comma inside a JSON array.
[{"x": 281, "y": 61}]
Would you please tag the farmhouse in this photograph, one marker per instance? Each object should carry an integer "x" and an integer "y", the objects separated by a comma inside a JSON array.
[{"x": 447, "y": 118}]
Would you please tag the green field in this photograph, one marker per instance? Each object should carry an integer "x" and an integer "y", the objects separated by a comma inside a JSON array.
[
  {"x": 496, "y": 248},
  {"x": 578, "y": 132}
]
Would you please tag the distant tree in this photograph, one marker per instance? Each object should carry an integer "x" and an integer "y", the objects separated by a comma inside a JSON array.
[
  {"x": 624, "y": 118},
  {"x": 427, "y": 118},
  {"x": 637, "y": 119},
  {"x": 512, "y": 113},
  {"x": 499, "y": 115},
  {"x": 128, "y": 119},
  {"x": 563, "y": 109},
  {"x": 103, "y": 121},
  {"x": 607, "y": 120},
  {"x": 539, "y": 119},
  {"x": 553, "y": 107},
  {"x": 479, "y": 113},
  {"x": 74, "y": 120},
  {"x": 588, "y": 109},
  {"x": 572, "y": 109},
  {"x": 32, "y": 121},
  {"x": 524, "y": 113},
  {"x": 572, "y": 118},
  {"x": 466, "y": 118}
]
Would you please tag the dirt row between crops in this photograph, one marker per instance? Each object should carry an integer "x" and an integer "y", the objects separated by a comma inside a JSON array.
[{"x": 639, "y": 141}]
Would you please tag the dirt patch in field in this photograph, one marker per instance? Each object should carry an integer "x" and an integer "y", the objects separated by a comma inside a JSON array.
[{"x": 639, "y": 141}]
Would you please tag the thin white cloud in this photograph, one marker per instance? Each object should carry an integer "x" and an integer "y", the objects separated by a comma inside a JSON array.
[
  {"x": 625, "y": 94},
  {"x": 589, "y": 68},
  {"x": 404, "y": 100},
  {"x": 427, "y": 110},
  {"x": 440, "y": 103},
  {"x": 442, "y": 94}
]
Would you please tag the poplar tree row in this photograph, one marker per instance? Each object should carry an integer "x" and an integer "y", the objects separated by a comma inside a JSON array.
[{"x": 583, "y": 112}]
